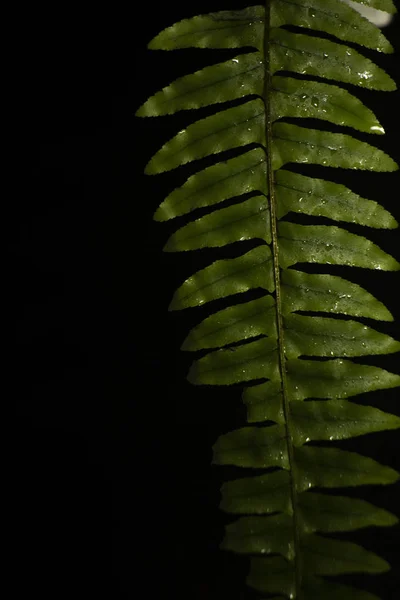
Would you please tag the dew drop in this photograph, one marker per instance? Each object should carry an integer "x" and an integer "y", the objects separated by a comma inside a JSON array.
[
  {"x": 325, "y": 55},
  {"x": 315, "y": 101},
  {"x": 365, "y": 75},
  {"x": 377, "y": 128}
]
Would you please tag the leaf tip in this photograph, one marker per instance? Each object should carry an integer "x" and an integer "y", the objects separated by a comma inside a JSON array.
[
  {"x": 174, "y": 304},
  {"x": 138, "y": 113},
  {"x": 377, "y": 128},
  {"x": 170, "y": 246},
  {"x": 159, "y": 215},
  {"x": 185, "y": 346},
  {"x": 151, "y": 169},
  {"x": 154, "y": 43}
]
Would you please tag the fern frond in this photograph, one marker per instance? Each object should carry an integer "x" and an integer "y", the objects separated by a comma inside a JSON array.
[{"x": 302, "y": 360}]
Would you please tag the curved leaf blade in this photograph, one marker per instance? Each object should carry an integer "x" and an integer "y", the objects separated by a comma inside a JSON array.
[
  {"x": 315, "y": 56},
  {"x": 337, "y": 420},
  {"x": 252, "y": 447},
  {"x": 329, "y": 293},
  {"x": 301, "y": 145},
  {"x": 335, "y": 379},
  {"x": 254, "y": 360},
  {"x": 316, "y": 588},
  {"x": 264, "y": 402},
  {"x": 223, "y": 29},
  {"x": 320, "y": 512},
  {"x": 260, "y": 535},
  {"x": 236, "y": 176},
  {"x": 333, "y": 17},
  {"x": 258, "y": 495},
  {"x": 274, "y": 575},
  {"x": 245, "y": 221},
  {"x": 234, "y": 324},
  {"x": 238, "y": 77},
  {"x": 335, "y": 468},
  {"x": 317, "y": 197},
  {"x": 324, "y": 556},
  {"x": 315, "y": 100},
  {"x": 322, "y": 336},
  {"x": 330, "y": 245},
  {"x": 225, "y": 130},
  {"x": 226, "y": 277}
]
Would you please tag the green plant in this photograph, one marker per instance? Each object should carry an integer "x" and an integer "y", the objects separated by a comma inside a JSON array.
[{"x": 294, "y": 357}]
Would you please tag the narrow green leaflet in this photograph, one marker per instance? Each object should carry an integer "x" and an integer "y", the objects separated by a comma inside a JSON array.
[
  {"x": 235, "y": 78},
  {"x": 316, "y": 588},
  {"x": 233, "y": 128},
  {"x": 264, "y": 402},
  {"x": 321, "y": 336},
  {"x": 315, "y": 56},
  {"x": 321, "y": 198},
  {"x": 331, "y": 16},
  {"x": 320, "y": 512},
  {"x": 258, "y": 495},
  {"x": 333, "y": 468},
  {"x": 260, "y": 535},
  {"x": 302, "y": 145},
  {"x": 335, "y": 379},
  {"x": 244, "y": 363},
  {"x": 329, "y": 293},
  {"x": 226, "y": 277},
  {"x": 233, "y": 324},
  {"x": 224, "y": 29},
  {"x": 237, "y": 223},
  {"x": 251, "y": 447},
  {"x": 337, "y": 420},
  {"x": 273, "y": 575},
  {"x": 315, "y": 100},
  {"x": 330, "y": 245},
  {"x": 324, "y": 556},
  {"x": 225, "y": 180}
]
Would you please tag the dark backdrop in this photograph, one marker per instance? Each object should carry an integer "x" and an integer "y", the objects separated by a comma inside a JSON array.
[{"x": 111, "y": 490}]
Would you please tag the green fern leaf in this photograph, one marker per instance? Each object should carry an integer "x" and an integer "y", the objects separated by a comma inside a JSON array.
[{"x": 302, "y": 359}]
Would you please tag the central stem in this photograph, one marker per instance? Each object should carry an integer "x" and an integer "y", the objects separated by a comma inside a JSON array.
[{"x": 278, "y": 296}]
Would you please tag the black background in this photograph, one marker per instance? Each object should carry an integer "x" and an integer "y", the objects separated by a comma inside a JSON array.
[{"x": 111, "y": 490}]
